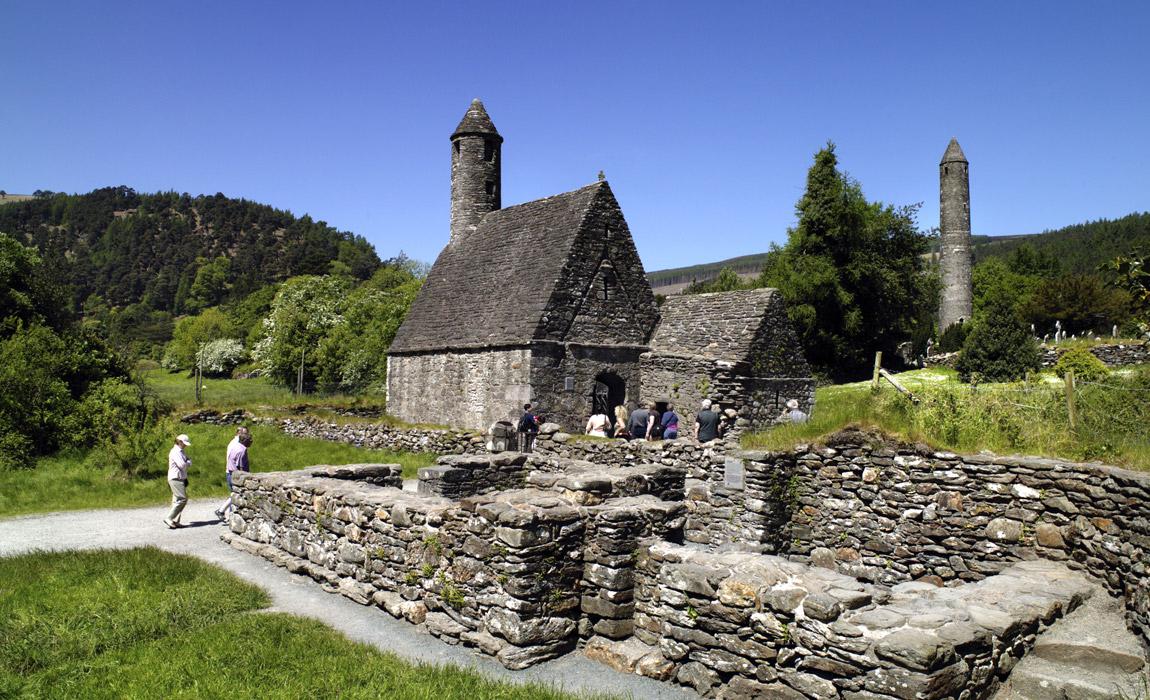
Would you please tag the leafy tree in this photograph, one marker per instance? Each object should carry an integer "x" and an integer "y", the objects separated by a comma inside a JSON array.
[
  {"x": 727, "y": 281},
  {"x": 210, "y": 285},
  {"x": 1082, "y": 303},
  {"x": 191, "y": 333},
  {"x": 353, "y": 355},
  {"x": 852, "y": 273},
  {"x": 305, "y": 309},
  {"x": 1131, "y": 273},
  {"x": 221, "y": 356},
  {"x": 996, "y": 278},
  {"x": 999, "y": 347}
]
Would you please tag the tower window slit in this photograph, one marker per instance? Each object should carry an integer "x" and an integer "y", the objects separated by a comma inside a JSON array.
[
  {"x": 489, "y": 187},
  {"x": 488, "y": 150}
]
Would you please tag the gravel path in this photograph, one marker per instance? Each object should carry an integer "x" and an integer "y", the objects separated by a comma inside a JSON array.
[{"x": 298, "y": 595}]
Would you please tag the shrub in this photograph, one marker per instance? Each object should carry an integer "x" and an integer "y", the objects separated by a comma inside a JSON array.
[
  {"x": 1086, "y": 367},
  {"x": 999, "y": 347},
  {"x": 953, "y": 337},
  {"x": 221, "y": 356}
]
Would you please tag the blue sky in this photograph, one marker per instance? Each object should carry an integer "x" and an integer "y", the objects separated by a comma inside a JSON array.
[{"x": 704, "y": 116}]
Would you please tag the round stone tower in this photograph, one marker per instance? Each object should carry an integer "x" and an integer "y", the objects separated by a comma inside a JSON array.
[
  {"x": 954, "y": 240},
  {"x": 475, "y": 170}
]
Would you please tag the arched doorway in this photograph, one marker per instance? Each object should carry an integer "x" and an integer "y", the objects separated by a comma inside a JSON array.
[{"x": 609, "y": 391}]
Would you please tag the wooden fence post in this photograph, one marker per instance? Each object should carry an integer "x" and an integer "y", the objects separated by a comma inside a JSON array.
[
  {"x": 1071, "y": 406},
  {"x": 877, "y": 367}
]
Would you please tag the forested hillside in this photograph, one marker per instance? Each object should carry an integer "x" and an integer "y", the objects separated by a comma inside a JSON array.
[
  {"x": 174, "y": 252},
  {"x": 1080, "y": 248}
]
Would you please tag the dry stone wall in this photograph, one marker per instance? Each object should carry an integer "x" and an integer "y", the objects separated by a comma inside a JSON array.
[
  {"x": 1111, "y": 354},
  {"x": 890, "y": 513},
  {"x": 741, "y": 625}
]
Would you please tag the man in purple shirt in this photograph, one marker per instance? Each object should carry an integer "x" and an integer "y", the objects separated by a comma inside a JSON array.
[{"x": 237, "y": 461}]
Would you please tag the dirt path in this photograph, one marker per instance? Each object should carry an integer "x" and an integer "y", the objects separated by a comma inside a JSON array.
[{"x": 134, "y": 527}]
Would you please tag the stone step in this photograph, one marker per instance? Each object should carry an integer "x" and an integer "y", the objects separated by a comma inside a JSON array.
[
  {"x": 1094, "y": 637},
  {"x": 1088, "y": 655},
  {"x": 1040, "y": 679}
]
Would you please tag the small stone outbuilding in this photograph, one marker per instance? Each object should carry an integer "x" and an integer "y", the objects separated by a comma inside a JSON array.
[
  {"x": 735, "y": 348},
  {"x": 547, "y": 302}
]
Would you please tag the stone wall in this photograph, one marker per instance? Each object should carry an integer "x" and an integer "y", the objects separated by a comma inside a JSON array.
[
  {"x": 383, "y": 437},
  {"x": 889, "y": 513},
  {"x": 467, "y": 389},
  {"x": 749, "y": 402},
  {"x": 1111, "y": 354},
  {"x": 740, "y": 625},
  {"x": 499, "y": 572}
]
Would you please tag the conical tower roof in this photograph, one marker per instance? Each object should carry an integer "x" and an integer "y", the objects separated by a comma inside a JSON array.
[
  {"x": 953, "y": 153},
  {"x": 476, "y": 121}
]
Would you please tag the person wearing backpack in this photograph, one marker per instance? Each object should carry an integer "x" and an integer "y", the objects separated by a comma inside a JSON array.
[{"x": 528, "y": 428}]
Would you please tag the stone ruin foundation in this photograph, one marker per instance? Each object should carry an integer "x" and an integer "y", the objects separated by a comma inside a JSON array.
[{"x": 858, "y": 569}]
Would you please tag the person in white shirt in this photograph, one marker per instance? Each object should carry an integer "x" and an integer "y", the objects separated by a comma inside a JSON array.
[{"x": 178, "y": 464}]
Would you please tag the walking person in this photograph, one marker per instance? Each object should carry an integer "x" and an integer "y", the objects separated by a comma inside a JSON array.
[
  {"x": 670, "y": 422},
  {"x": 637, "y": 423},
  {"x": 237, "y": 461},
  {"x": 621, "y": 422},
  {"x": 706, "y": 423},
  {"x": 178, "y": 464},
  {"x": 528, "y": 428},
  {"x": 597, "y": 425}
]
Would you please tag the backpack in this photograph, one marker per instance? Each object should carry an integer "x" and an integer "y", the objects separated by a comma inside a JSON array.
[
  {"x": 527, "y": 423},
  {"x": 656, "y": 430}
]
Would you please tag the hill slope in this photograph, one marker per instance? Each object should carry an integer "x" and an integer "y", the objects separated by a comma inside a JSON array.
[
  {"x": 1080, "y": 248},
  {"x": 147, "y": 248}
]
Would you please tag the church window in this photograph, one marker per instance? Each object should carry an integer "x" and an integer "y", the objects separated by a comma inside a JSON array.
[
  {"x": 945, "y": 170},
  {"x": 489, "y": 187},
  {"x": 488, "y": 150},
  {"x": 456, "y": 148},
  {"x": 608, "y": 232}
]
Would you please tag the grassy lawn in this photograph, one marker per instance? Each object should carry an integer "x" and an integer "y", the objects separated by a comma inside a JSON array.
[
  {"x": 257, "y": 393},
  {"x": 144, "y": 623},
  {"x": 71, "y": 481},
  {"x": 1018, "y": 418}
]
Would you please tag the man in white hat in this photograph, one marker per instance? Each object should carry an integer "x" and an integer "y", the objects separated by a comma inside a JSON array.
[
  {"x": 793, "y": 414},
  {"x": 178, "y": 463}
]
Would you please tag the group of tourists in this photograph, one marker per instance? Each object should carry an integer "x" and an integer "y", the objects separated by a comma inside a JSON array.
[
  {"x": 236, "y": 460},
  {"x": 648, "y": 422}
]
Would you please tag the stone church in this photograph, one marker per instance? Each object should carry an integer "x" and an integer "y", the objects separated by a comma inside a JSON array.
[{"x": 547, "y": 302}]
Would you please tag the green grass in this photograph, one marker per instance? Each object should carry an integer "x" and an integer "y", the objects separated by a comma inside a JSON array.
[
  {"x": 256, "y": 393},
  {"x": 262, "y": 397},
  {"x": 1019, "y": 418},
  {"x": 144, "y": 623},
  {"x": 76, "y": 480}
]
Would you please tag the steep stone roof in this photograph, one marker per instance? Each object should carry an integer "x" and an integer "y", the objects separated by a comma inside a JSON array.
[
  {"x": 720, "y": 325},
  {"x": 476, "y": 121},
  {"x": 491, "y": 287},
  {"x": 953, "y": 153}
]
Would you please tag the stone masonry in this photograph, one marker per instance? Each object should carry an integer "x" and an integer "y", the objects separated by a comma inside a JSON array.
[
  {"x": 862, "y": 569},
  {"x": 955, "y": 260}
]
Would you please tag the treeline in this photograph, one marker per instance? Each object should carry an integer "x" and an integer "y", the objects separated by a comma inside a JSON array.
[
  {"x": 856, "y": 279},
  {"x": 133, "y": 262},
  {"x": 1081, "y": 248}
]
